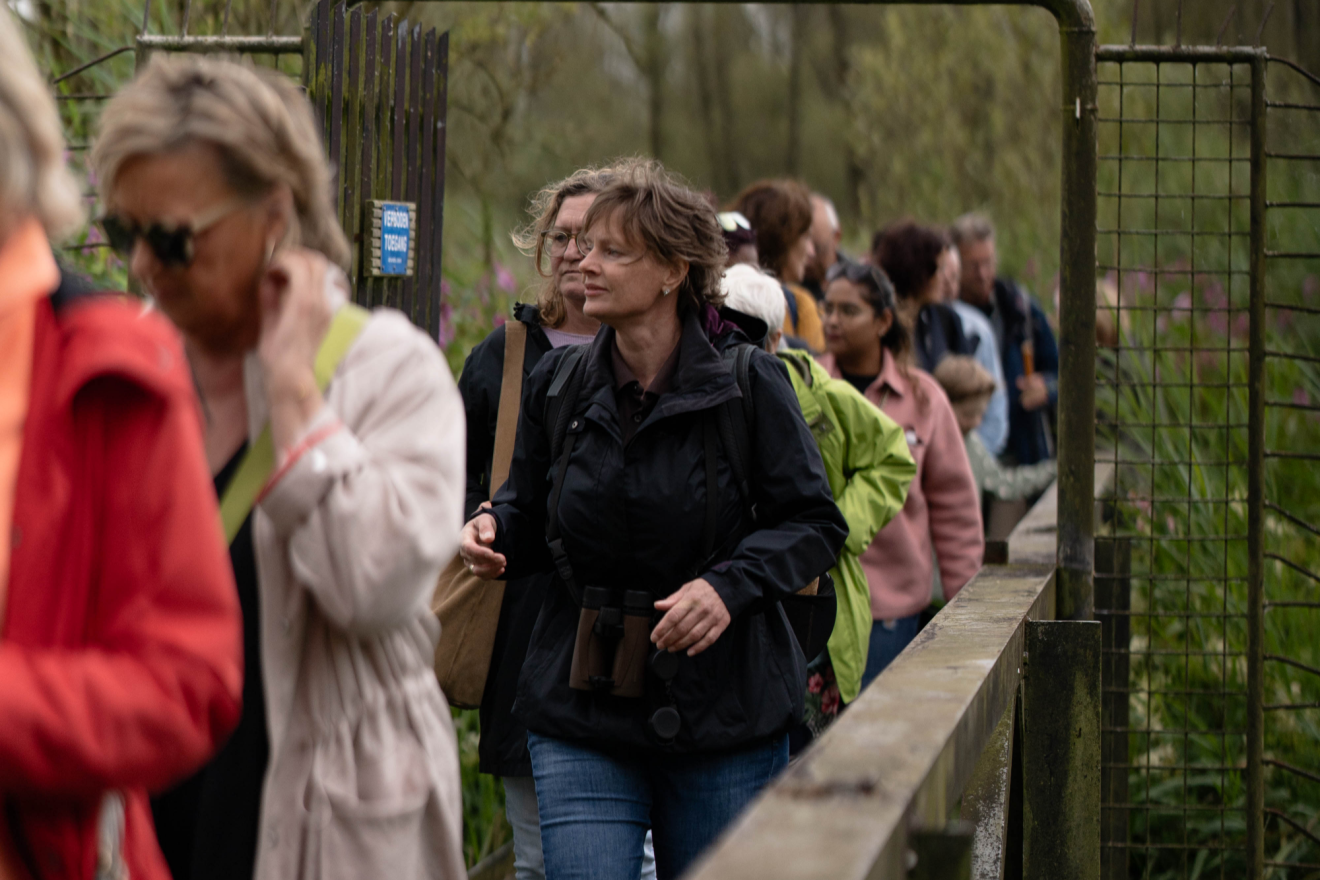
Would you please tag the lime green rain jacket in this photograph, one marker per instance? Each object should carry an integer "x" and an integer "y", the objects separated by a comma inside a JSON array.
[{"x": 869, "y": 468}]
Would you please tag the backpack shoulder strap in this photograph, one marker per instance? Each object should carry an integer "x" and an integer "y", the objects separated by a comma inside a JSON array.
[
  {"x": 259, "y": 461},
  {"x": 560, "y": 402},
  {"x": 735, "y": 418}
]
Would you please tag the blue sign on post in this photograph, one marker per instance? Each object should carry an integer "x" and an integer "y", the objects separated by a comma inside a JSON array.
[
  {"x": 395, "y": 238},
  {"x": 388, "y": 240}
]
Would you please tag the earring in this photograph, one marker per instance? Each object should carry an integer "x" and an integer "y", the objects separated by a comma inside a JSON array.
[{"x": 665, "y": 291}]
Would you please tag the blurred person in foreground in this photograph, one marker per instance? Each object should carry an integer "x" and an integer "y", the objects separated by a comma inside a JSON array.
[
  {"x": 915, "y": 259},
  {"x": 985, "y": 348},
  {"x": 348, "y": 430},
  {"x": 555, "y": 320},
  {"x": 869, "y": 468},
  {"x": 779, "y": 212},
  {"x": 941, "y": 519},
  {"x": 970, "y": 387},
  {"x": 120, "y": 656},
  {"x": 663, "y": 675},
  {"x": 826, "y": 234},
  {"x": 1027, "y": 348}
]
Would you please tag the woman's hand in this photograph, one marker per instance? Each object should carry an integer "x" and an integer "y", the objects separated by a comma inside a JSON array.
[
  {"x": 474, "y": 547},
  {"x": 294, "y": 320},
  {"x": 695, "y": 617}
]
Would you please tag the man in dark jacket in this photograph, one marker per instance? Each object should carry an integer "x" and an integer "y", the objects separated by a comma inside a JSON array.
[{"x": 1027, "y": 349}]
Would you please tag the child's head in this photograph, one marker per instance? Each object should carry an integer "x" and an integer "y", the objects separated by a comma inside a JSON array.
[{"x": 969, "y": 387}]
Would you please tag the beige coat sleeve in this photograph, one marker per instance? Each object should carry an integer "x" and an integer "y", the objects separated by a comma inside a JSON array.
[{"x": 373, "y": 511}]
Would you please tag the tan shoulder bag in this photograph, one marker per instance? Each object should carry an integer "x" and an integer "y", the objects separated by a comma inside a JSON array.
[{"x": 467, "y": 606}]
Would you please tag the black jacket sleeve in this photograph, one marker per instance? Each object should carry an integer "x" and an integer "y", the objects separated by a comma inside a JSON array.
[
  {"x": 520, "y": 506},
  {"x": 800, "y": 530},
  {"x": 479, "y": 383}
]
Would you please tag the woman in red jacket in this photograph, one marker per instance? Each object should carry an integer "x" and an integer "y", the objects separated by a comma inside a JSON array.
[{"x": 120, "y": 654}]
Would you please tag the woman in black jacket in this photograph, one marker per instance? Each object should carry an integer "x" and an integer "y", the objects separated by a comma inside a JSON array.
[
  {"x": 556, "y": 320},
  {"x": 662, "y": 676}
]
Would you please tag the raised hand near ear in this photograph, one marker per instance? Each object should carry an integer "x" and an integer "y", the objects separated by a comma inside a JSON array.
[{"x": 295, "y": 316}]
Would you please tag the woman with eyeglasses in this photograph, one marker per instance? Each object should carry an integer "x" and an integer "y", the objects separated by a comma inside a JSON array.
[
  {"x": 555, "y": 320},
  {"x": 662, "y": 676},
  {"x": 334, "y": 437},
  {"x": 871, "y": 348}
]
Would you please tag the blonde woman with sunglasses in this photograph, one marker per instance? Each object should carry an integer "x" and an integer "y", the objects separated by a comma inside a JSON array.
[{"x": 344, "y": 763}]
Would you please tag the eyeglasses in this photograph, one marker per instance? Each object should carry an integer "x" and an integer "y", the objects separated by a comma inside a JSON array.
[
  {"x": 556, "y": 241},
  {"x": 173, "y": 245}
]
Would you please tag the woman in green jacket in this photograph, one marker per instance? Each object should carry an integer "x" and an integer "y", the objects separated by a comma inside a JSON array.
[{"x": 869, "y": 467}]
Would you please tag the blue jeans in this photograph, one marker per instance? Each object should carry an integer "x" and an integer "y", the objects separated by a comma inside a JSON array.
[
  {"x": 888, "y": 641},
  {"x": 520, "y": 809},
  {"x": 596, "y": 807}
]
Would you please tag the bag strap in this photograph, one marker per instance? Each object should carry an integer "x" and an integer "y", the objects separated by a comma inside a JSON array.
[
  {"x": 560, "y": 402},
  {"x": 506, "y": 423},
  {"x": 259, "y": 461},
  {"x": 734, "y": 418}
]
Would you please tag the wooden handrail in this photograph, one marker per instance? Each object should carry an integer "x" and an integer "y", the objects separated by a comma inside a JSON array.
[{"x": 903, "y": 753}]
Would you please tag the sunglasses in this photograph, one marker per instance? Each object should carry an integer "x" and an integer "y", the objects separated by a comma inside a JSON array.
[{"x": 173, "y": 245}]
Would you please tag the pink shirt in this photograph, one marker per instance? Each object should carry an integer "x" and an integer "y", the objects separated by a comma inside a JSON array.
[{"x": 942, "y": 506}]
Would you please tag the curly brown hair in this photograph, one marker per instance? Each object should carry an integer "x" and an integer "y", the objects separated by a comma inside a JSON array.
[
  {"x": 780, "y": 212},
  {"x": 544, "y": 209},
  {"x": 910, "y": 255},
  {"x": 672, "y": 221}
]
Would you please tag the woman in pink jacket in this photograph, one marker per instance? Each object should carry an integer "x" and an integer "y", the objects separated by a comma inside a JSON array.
[{"x": 871, "y": 349}]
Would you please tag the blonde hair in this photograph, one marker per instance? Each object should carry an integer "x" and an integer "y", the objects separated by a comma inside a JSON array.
[
  {"x": 968, "y": 384},
  {"x": 753, "y": 292},
  {"x": 257, "y": 119},
  {"x": 544, "y": 209},
  {"x": 34, "y": 181}
]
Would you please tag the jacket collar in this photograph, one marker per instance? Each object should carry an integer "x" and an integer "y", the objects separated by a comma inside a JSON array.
[
  {"x": 528, "y": 313},
  {"x": 889, "y": 379},
  {"x": 701, "y": 380}
]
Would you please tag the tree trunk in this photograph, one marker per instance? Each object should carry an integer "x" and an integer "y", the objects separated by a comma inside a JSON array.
[
  {"x": 798, "y": 36},
  {"x": 656, "y": 56},
  {"x": 732, "y": 171},
  {"x": 699, "y": 24},
  {"x": 855, "y": 177}
]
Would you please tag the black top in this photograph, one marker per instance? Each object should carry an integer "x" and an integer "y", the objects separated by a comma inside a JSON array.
[
  {"x": 861, "y": 383},
  {"x": 633, "y": 514},
  {"x": 207, "y": 824},
  {"x": 938, "y": 332},
  {"x": 502, "y": 749}
]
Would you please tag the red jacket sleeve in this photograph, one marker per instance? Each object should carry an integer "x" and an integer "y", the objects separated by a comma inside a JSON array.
[
  {"x": 156, "y": 684},
  {"x": 950, "y": 489}
]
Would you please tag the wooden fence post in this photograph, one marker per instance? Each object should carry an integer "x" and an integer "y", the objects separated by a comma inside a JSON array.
[{"x": 1061, "y": 751}]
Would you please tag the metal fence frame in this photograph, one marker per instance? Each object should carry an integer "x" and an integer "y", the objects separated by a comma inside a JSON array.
[{"x": 1128, "y": 585}]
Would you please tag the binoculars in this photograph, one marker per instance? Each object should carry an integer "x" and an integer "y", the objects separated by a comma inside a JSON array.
[
  {"x": 613, "y": 652},
  {"x": 613, "y": 641}
]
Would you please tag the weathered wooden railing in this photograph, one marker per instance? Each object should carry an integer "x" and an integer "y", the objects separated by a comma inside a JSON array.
[{"x": 975, "y": 754}]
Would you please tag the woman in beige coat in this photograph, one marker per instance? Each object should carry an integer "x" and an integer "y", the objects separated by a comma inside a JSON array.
[{"x": 345, "y": 762}]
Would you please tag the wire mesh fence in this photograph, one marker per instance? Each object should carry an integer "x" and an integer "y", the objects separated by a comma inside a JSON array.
[
  {"x": 1185, "y": 399},
  {"x": 1289, "y": 345}
]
